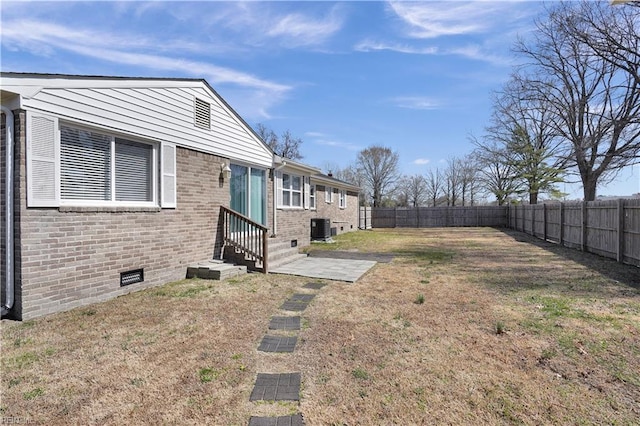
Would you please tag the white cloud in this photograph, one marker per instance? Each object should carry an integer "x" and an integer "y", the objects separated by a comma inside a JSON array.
[
  {"x": 44, "y": 39},
  {"x": 431, "y": 20},
  {"x": 416, "y": 102},
  {"x": 421, "y": 161},
  {"x": 296, "y": 29},
  {"x": 368, "y": 46}
]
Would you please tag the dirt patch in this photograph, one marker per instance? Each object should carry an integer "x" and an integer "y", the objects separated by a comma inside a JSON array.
[{"x": 507, "y": 332}]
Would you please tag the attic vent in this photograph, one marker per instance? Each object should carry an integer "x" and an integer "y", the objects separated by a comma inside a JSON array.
[
  {"x": 131, "y": 277},
  {"x": 203, "y": 114}
]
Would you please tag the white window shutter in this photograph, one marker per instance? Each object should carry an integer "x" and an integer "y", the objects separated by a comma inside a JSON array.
[
  {"x": 279, "y": 189},
  {"x": 168, "y": 188},
  {"x": 307, "y": 200},
  {"x": 43, "y": 161}
]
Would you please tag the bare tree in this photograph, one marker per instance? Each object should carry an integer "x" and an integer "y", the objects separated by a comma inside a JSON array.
[
  {"x": 350, "y": 174},
  {"x": 594, "y": 102},
  {"x": 453, "y": 181},
  {"x": 434, "y": 185},
  {"x": 379, "y": 168},
  {"x": 612, "y": 35},
  {"x": 413, "y": 190},
  {"x": 495, "y": 172},
  {"x": 468, "y": 179},
  {"x": 287, "y": 146}
]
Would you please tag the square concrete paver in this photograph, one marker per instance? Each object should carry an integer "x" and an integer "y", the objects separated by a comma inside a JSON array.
[
  {"x": 297, "y": 302},
  {"x": 276, "y": 387},
  {"x": 284, "y": 323},
  {"x": 331, "y": 269},
  {"x": 277, "y": 344},
  {"x": 314, "y": 286},
  {"x": 295, "y": 420}
]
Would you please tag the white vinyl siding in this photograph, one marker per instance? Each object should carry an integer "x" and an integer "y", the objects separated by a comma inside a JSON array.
[
  {"x": 154, "y": 110},
  {"x": 43, "y": 165}
]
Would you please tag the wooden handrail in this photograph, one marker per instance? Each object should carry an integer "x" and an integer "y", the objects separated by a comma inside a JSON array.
[{"x": 246, "y": 236}]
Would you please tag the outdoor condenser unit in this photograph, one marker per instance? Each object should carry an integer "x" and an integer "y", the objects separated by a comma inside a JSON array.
[{"x": 320, "y": 229}]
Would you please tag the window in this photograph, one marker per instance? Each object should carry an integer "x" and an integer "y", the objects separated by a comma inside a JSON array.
[
  {"x": 328, "y": 194},
  {"x": 76, "y": 166},
  {"x": 312, "y": 197},
  {"x": 291, "y": 190},
  {"x": 202, "y": 114},
  {"x": 342, "y": 201},
  {"x": 96, "y": 167}
]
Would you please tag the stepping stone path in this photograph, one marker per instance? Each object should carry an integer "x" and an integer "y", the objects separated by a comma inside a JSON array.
[
  {"x": 277, "y": 344},
  {"x": 295, "y": 420},
  {"x": 282, "y": 386},
  {"x": 284, "y": 323},
  {"x": 297, "y": 302}
]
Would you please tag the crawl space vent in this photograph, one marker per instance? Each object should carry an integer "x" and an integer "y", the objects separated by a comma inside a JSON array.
[{"x": 131, "y": 277}]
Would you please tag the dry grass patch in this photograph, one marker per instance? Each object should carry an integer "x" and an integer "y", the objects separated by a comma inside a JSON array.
[{"x": 465, "y": 326}]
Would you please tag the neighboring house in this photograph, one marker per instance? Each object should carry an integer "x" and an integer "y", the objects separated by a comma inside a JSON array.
[{"x": 117, "y": 184}]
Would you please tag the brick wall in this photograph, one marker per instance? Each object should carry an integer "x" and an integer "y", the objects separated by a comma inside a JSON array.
[
  {"x": 296, "y": 223},
  {"x": 74, "y": 256}
]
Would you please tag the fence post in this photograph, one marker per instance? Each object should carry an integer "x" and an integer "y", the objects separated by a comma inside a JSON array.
[
  {"x": 561, "y": 224},
  {"x": 395, "y": 217},
  {"x": 544, "y": 222},
  {"x": 620, "y": 229},
  {"x": 583, "y": 242},
  {"x": 417, "y": 217},
  {"x": 533, "y": 219}
]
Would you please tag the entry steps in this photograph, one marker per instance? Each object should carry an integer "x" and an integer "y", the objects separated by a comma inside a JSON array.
[{"x": 215, "y": 270}]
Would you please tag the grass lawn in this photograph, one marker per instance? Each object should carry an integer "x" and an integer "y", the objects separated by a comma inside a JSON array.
[{"x": 464, "y": 326}]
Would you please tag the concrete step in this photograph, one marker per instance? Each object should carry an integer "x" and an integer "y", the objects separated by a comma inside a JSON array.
[
  {"x": 281, "y": 253},
  {"x": 214, "y": 270}
]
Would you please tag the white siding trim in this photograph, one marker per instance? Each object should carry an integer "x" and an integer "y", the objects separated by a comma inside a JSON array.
[{"x": 43, "y": 161}]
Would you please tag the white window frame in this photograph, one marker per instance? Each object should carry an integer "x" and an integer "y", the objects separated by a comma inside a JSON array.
[
  {"x": 113, "y": 202},
  {"x": 291, "y": 191},
  {"x": 342, "y": 198},
  {"x": 328, "y": 194}
]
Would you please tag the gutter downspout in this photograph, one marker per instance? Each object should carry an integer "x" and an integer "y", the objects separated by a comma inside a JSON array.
[
  {"x": 9, "y": 272},
  {"x": 275, "y": 197}
]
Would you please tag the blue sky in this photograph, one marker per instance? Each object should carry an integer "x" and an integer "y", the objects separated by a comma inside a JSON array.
[{"x": 414, "y": 76}]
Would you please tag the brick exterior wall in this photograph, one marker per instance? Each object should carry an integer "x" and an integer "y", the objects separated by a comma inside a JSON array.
[
  {"x": 295, "y": 224},
  {"x": 70, "y": 257}
]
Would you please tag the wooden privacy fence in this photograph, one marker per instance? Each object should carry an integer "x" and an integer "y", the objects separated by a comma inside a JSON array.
[
  {"x": 432, "y": 217},
  {"x": 608, "y": 228},
  {"x": 364, "y": 220}
]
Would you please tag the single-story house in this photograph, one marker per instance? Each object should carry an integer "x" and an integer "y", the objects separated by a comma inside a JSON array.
[{"x": 112, "y": 184}]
